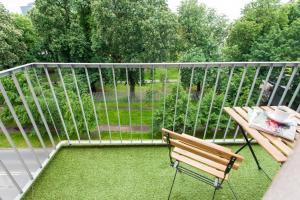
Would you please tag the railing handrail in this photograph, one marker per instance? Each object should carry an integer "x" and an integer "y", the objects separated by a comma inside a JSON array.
[
  {"x": 150, "y": 65},
  {"x": 169, "y": 64}
]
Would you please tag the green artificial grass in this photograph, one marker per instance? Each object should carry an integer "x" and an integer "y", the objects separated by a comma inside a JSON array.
[{"x": 140, "y": 173}]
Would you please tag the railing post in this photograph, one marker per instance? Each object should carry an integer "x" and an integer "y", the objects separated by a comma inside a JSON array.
[
  {"x": 68, "y": 102},
  {"x": 29, "y": 112},
  {"x": 200, "y": 100},
  {"x": 11, "y": 177},
  {"x": 12, "y": 111},
  {"x": 276, "y": 85},
  {"x": 141, "y": 102},
  {"x": 165, "y": 91},
  {"x": 93, "y": 102},
  {"x": 253, "y": 85},
  {"x": 152, "y": 99},
  {"x": 35, "y": 99},
  {"x": 224, "y": 101},
  {"x": 294, "y": 95},
  {"x": 266, "y": 81},
  {"x": 81, "y": 105},
  {"x": 189, "y": 97},
  {"x": 176, "y": 101},
  {"x": 46, "y": 103},
  {"x": 212, "y": 101},
  {"x": 12, "y": 144},
  {"x": 236, "y": 100},
  {"x": 56, "y": 103},
  {"x": 295, "y": 70},
  {"x": 105, "y": 105},
  {"x": 129, "y": 106}
]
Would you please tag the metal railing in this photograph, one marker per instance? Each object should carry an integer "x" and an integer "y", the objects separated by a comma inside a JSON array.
[{"x": 64, "y": 104}]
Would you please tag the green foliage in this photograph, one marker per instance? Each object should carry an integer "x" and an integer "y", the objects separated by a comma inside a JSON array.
[
  {"x": 22, "y": 114},
  {"x": 13, "y": 49},
  {"x": 133, "y": 31},
  {"x": 267, "y": 31},
  {"x": 202, "y": 28},
  {"x": 63, "y": 29},
  {"x": 202, "y": 32},
  {"x": 168, "y": 114},
  {"x": 29, "y": 37}
]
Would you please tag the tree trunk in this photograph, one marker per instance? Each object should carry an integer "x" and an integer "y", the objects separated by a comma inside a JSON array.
[
  {"x": 198, "y": 89},
  {"x": 132, "y": 90}
]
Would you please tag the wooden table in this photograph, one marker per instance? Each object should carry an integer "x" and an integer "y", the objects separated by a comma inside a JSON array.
[{"x": 279, "y": 148}]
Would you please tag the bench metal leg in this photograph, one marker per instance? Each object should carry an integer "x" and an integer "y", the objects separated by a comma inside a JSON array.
[
  {"x": 213, "y": 197},
  {"x": 172, "y": 184},
  {"x": 235, "y": 197},
  {"x": 248, "y": 143}
]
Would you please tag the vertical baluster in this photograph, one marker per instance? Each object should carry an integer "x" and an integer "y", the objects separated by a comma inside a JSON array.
[
  {"x": 224, "y": 101},
  {"x": 252, "y": 86},
  {"x": 295, "y": 70},
  {"x": 294, "y": 95},
  {"x": 93, "y": 102},
  {"x": 46, "y": 103},
  {"x": 236, "y": 100},
  {"x": 212, "y": 101},
  {"x": 249, "y": 97},
  {"x": 276, "y": 85},
  {"x": 12, "y": 144},
  {"x": 189, "y": 97},
  {"x": 12, "y": 111},
  {"x": 266, "y": 81},
  {"x": 117, "y": 103},
  {"x": 40, "y": 111},
  {"x": 11, "y": 177},
  {"x": 176, "y": 101},
  {"x": 81, "y": 105},
  {"x": 152, "y": 99},
  {"x": 56, "y": 103},
  {"x": 200, "y": 100},
  {"x": 68, "y": 102},
  {"x": 129, "y": 106},
  {"x": 165, "y": 89},
  {"x": 32, "y": 120},
  {"x": 141, "y": 102}
]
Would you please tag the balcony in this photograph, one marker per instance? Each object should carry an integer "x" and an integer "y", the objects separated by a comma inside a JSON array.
[{"x": 48, "y": 109}]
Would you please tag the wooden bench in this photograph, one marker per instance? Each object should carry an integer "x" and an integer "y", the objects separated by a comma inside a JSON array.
[{"x": 202, "y": 155}]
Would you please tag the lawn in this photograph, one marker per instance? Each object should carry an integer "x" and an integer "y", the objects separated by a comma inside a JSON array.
[{"x": 139, "y": 173}]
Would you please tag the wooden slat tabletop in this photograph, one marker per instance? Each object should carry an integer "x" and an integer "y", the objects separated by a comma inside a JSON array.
[{"x": 279, "y": 148}]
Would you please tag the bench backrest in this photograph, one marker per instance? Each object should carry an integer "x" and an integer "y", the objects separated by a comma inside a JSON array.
[{"x": 210, "y": 151}]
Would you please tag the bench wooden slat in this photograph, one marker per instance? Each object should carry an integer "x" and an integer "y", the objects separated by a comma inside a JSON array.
[
  {"x": 274, "y": 152},
  {"x": 276, "y": 141},
  {"x": 198, "y": 165},
  {"x": 201, "y": 144},
  {"x": 201, "y": 159},
  {"x": 215, "y": 158},
  {"x": 212, "y": 145}
]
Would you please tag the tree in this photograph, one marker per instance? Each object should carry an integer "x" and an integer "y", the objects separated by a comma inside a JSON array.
[
  {"x": 255, "y": 35},
  {"x": 202, "y": 32},
  {"x": 12, "y": 47},
  {"x": 133, "y": 31},
  {"x": 63, "y": 28},
  {"x": 29, "y": 37}
]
